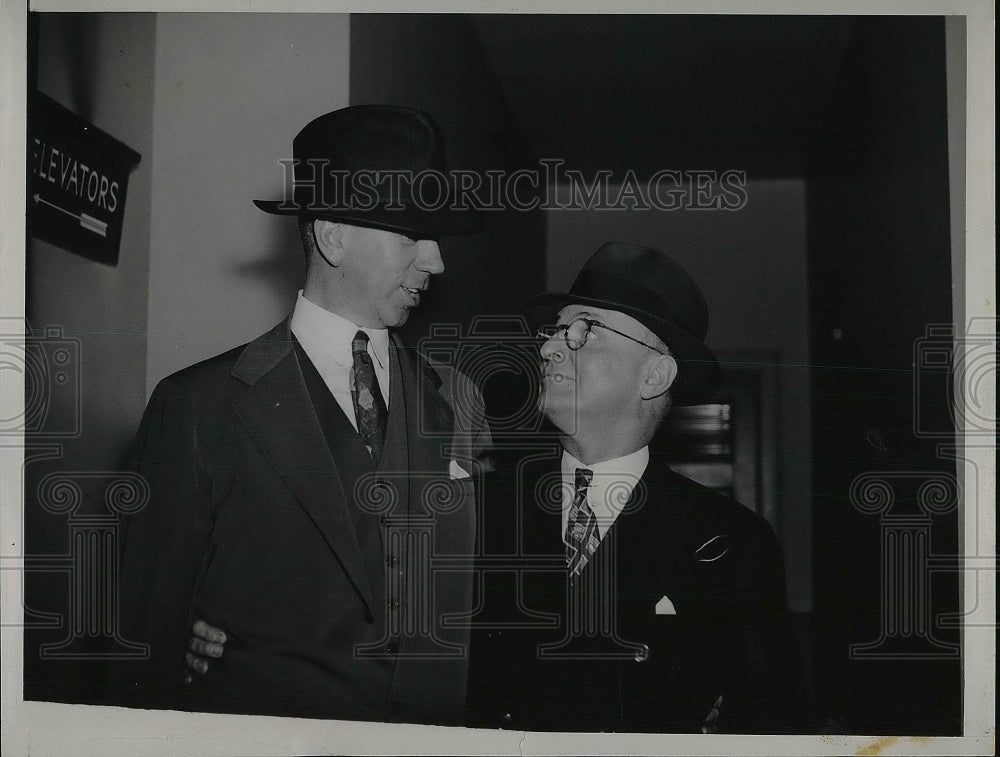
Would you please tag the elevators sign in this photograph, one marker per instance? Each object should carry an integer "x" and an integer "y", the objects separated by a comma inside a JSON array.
[{"x": 77, "y": 181}]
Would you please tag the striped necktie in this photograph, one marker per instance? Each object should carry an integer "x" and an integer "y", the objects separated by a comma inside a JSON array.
[
  {"x": 369, "y": 406},
  {"x": 581, "y": 526}
]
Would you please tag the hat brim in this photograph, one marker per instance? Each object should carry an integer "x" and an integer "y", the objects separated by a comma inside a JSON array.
[
  {"x": 409, "y": 220},
  {"x": 699, "y": 373}
]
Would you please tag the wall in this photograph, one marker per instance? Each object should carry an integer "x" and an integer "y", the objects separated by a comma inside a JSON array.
[
  {"x": 436, "y": 63},
  {"x": 101, "y": 67},
  {"x": 880, "y": 267},
  {"x": 751, "y": 265},
  {"x": 231, "y": 92}
]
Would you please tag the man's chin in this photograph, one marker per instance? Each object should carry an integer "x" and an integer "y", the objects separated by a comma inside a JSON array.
[
  {"x": 398, "y": 319},
  {"x": 561, "y": 418}
]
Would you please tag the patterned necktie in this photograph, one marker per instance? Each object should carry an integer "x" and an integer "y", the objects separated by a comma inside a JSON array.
[
  {"x": 581, "y": 526},
  {"x": 369, "y": 407}
]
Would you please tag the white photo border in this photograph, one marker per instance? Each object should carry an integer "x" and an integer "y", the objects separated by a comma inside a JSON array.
[{"x": 47, "y": 728}]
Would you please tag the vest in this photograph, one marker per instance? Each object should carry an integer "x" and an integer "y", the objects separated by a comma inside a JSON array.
[{"x": 391, "y": 532}]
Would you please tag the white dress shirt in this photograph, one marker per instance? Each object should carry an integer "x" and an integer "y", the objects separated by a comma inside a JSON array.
[
  {"x": 327, "y": 338},
  {"x": 609, "y": 489}
]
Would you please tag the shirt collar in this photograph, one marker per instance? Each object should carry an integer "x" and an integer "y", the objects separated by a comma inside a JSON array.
[
  {"x": 611, "y": 486},
  {"x": 333, "y": 334}
]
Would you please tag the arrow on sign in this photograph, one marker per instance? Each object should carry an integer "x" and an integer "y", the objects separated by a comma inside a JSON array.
[{"x": 88, "y": 222}]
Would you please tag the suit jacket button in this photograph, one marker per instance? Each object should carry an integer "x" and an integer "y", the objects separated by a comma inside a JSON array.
[
  {"x": 384, "y": 520},
  {"x": 392, "y": 649},
  {"x": 642, "y": 653}
]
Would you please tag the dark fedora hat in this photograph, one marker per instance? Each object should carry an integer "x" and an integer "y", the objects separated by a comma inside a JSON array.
[
  {"x": 379, "y": 166},
  {"x": 649, "y": 286}
]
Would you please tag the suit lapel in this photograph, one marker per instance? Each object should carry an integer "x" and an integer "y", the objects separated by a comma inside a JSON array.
[
  {"x": 660, "y": 535},
  {"x": 543, "y": 524},
  {"x": 541, "y": 538},
  {"x": 279, "y": 415}
]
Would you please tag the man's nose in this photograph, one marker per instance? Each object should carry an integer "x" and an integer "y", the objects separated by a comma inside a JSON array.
[
  {"x": 429, "y": 257},
  {"x": 554, "y": 348}
]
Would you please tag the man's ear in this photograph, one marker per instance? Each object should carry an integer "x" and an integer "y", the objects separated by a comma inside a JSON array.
[
  {"x": 661, "y": 372},
  {"x": 329, "y": 240}
]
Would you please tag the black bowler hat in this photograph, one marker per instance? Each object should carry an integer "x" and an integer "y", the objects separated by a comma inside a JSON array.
[
  {"x": 379, "y": 166},
  {"x": 649, "y": 286}
]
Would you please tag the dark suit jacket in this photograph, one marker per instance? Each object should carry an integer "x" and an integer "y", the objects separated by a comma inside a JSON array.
[
  {"x": 620, "y": 666},
  {"x": 248, "y": 528}
]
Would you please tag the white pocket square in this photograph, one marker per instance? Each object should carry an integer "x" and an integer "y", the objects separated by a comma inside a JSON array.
[
  {"x": 457, "y": 471},
  {"x": 665, "y": 606}
]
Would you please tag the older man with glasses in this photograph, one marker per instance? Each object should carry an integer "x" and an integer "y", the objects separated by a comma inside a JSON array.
[{"x": 644, "y": 601}]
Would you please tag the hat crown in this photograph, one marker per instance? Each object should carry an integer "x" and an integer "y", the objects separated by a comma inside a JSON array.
[
  {"x": 649, "y": 286},
  {"x": 379, "y": 166},
  {"x": 371, "y": 138},
  {"x": 654, "y": 282}
]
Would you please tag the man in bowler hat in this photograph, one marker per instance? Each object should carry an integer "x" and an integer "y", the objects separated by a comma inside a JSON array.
[
  {"x": 643, "y": 601},
  {"x": 299, "y": 484}
]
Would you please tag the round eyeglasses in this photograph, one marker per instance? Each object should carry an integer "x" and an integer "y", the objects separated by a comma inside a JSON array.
[{"x": 576, "y": 332}]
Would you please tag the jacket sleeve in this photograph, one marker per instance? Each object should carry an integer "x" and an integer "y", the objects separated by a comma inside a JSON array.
[
  {"x": 473, "y": 443},
  {"x": 163, "y": 550}
]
